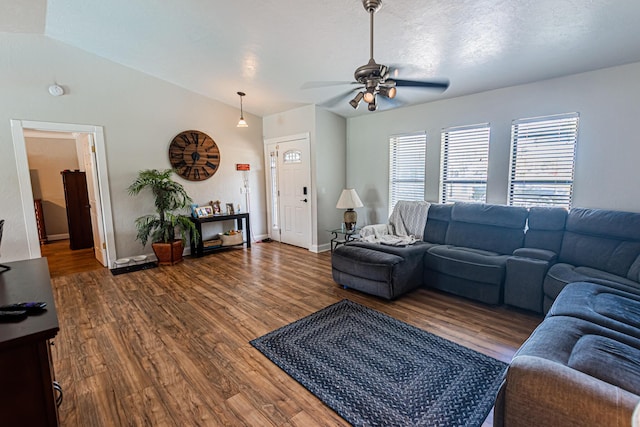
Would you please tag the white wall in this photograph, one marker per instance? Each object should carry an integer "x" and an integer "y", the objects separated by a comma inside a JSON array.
[
  {"x": 331, "y": 166},
  {"x": 140, "y": 115},
  {"x": 606, "y": 172}
]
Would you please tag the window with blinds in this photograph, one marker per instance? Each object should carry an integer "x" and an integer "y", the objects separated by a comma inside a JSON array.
[
  {"x": 407, "y": 156},
  {"x": 542, "y": 160},
  {"x": 464, "y": 163}
]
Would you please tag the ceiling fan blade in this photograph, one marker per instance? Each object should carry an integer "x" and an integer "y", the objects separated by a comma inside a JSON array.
[
  {"x": 314, "y": 85},
  {"x": 331, "y": 102},
  {"x": 434, "y": 84},
  {"x": 385, "y": 103}
]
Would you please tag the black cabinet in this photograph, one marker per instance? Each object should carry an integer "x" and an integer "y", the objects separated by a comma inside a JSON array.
[{"x": 29, "y": 396}]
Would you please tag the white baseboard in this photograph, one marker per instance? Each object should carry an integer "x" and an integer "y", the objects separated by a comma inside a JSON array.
[{"x": 320, "y": 248}]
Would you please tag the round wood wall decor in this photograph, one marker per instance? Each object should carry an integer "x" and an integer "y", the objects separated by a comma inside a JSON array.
[{"x": 194, "y": 155}]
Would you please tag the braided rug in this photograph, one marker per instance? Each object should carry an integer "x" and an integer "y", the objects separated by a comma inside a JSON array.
[{"x": 374, "y": 370}]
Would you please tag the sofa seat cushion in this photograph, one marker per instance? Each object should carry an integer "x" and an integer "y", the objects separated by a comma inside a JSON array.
[
  {"x": 559, "y": 275},
  {"x": 605, "y": 306},
  {"x": 467, "y": 263},
  {"x": 608, "y": 360}
]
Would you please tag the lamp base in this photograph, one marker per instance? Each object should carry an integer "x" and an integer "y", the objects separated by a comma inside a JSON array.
[{"x": 350, "y": 219}]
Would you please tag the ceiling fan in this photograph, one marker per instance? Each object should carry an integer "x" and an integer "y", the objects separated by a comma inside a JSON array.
[{"x": 375, "y": 78}]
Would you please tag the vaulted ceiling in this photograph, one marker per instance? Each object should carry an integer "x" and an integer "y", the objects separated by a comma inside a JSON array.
[{"x": 270, "y": 48}]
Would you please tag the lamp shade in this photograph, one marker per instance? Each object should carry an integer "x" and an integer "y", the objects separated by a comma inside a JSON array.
[{"x": 349, "y": 199}]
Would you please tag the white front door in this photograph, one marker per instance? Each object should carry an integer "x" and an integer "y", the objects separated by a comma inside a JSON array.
[
  {"x": 295, "y": 195},
  {"x": 289, "y": 188}
]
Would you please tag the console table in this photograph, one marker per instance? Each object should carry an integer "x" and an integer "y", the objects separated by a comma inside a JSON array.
[
  {"x": 197, "y": 245},
  {"x": 27, "y": 388}
]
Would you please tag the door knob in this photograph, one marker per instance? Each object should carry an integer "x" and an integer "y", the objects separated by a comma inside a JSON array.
[{"x": 305, "y": 200}]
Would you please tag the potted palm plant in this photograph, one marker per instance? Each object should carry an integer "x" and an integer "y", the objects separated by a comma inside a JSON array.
[{"x": 167, "y": 223}]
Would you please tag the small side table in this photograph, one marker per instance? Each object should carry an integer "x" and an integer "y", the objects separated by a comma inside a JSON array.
[{"x": 342, "y": 236}]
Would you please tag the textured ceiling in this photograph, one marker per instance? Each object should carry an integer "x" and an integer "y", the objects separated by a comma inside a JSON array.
[{"x": 270, "y": 48}]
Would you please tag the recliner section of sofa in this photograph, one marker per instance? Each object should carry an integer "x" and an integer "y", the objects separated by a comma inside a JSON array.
[
  {"x": 478, "y": 242},
  {"x": 599, "y": 246}
]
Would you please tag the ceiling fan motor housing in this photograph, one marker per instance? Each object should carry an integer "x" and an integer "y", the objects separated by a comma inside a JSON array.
[
  {"x": 369, "y": 71},
  {"x": 371, "y": 5}
]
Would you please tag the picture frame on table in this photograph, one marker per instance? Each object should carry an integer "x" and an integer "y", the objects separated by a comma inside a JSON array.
[
  {"x": 216, "y": 207},
  {"x": 230, "y": 209},
  {"x": 204, "y": 211}
]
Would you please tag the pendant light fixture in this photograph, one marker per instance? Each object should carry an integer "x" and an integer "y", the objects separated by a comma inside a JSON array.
[{"x": 242, "y": 123}]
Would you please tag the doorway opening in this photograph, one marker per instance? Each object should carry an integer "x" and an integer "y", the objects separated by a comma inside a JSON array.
[{"x": 90, "y": 159}]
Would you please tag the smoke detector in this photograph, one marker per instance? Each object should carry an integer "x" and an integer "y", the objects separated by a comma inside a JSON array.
[{"x": 56, "y": 90}]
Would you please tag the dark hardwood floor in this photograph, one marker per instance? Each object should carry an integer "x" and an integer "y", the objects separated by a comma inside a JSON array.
[
  {"x": 170, "y": 346},
  {"x": 62, "y": 260}
]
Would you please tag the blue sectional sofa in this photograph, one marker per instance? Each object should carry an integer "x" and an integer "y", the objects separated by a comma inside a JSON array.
[
  {"x": 581, "y": 366},
  {"x": 500, "y": 254}
]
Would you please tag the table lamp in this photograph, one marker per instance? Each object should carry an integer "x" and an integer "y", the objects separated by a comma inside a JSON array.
[{"x": 349, "y": 200}]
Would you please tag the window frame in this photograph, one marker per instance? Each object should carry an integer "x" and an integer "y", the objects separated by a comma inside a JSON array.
[
  {"x": 559, "y": 132},
  {"x": 412, "y": 158},
  {"x": 474, "y": 140}
]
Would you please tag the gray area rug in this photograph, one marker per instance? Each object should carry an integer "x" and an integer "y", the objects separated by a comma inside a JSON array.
[{"x": 374, "y": 370}]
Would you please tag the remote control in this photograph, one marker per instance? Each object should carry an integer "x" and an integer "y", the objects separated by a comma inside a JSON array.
[
  {"x": 29, "y": 307},
  {"x": 12, "y": 316}
]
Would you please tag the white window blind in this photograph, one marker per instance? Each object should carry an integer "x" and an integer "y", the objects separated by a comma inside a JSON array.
[
  {"x": 407, "y": 156},
  {"x": 542, "y": 160},
  {"x": 464, "y": 163}
]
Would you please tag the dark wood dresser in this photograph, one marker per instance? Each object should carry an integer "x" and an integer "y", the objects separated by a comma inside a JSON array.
[
  {"x": 76, "y": 198},
  {"x": 27, "y": 393}
]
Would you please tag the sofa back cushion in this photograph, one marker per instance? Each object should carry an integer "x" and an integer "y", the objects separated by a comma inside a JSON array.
[
  {"x": 545, "y": 228},
  {"x": 494, "y": 228},
  {"x": 438, "y": 218},
  {"x": 601, "y": 239}
]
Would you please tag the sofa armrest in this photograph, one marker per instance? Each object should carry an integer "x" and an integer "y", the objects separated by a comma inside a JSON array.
[
  {"x": 540, "y": 392},
  {"x": 524, "y": 281},
  {"x": 542, "y": 254}
]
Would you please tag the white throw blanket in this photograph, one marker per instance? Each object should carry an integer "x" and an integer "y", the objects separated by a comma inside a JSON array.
[{"x": 406, "y": 225}]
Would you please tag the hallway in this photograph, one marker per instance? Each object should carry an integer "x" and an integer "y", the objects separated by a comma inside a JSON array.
[{"x": 62, "y": 260}]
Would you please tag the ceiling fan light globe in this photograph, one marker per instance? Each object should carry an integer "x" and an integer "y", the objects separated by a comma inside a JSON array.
[
  {"x": 391, "y": 93},
  {"x": 369, "y": 97},
  {"x": 372, "y": 107}
]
